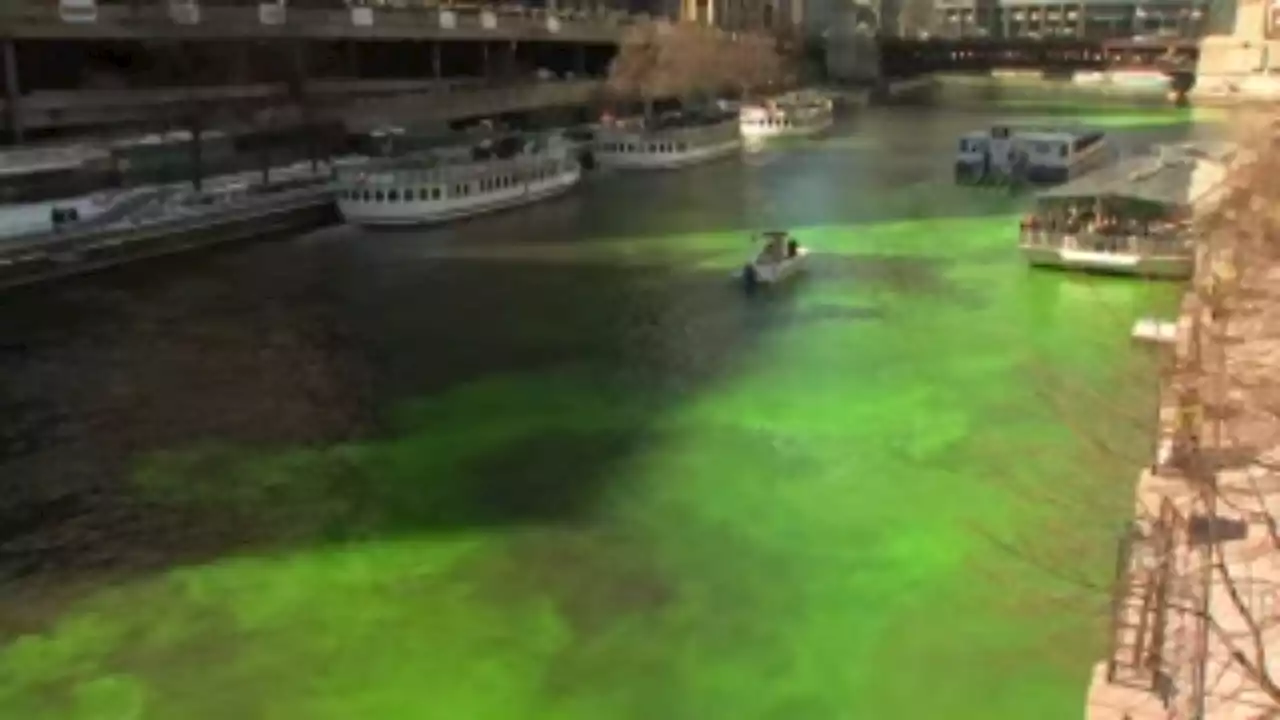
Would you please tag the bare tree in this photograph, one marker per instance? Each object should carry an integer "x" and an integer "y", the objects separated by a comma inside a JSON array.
[
  {"x": 912, "y": 17},
  {"x": 757, "y": 65},
  {"x": 661, "y": 60}
]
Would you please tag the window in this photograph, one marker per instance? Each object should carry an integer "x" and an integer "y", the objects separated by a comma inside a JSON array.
[
  {"x": 378, "y": 196},
  {"x": 393, "y": 196},
  {"x": 435, "y": 193}
]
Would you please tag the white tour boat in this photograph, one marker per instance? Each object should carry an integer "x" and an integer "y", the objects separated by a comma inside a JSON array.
[
  {"x": 683, "y": 142},
  {"x": 437, "y": 188},
  {"x": 778, "y": 258},
  {"x": 795, "y": 114},
  {"x": 1004, "y": 154},
  {"x": 1132, "y": 218}
]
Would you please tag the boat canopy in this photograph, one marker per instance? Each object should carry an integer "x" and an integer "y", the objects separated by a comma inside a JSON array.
[{"x": 1174, "y": 177}]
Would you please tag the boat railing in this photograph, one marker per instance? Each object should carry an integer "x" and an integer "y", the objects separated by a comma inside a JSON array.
[
  {"x": 1153, "y": 244},
  {"x": 689, "y": 133},
  {"x": 453, "y": 171}
]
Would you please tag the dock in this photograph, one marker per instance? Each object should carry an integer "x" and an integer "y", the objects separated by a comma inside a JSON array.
[{"x": 1163, "y": 332}]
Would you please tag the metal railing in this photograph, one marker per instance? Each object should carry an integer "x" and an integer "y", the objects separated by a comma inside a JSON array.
[
  {"x": 1151, "y": 245},
  {"x": 1145, "y": 574}
]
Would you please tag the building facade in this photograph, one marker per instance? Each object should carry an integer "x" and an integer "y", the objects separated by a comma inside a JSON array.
[
  {"x": 1091, "y": 20},
  {"x": 743, "y": 15}
]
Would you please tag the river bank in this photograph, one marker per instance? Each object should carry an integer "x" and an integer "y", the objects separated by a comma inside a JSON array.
[{"x": 1194, "y": 624}]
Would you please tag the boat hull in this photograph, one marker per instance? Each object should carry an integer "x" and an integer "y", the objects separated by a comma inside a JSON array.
[
  {"x": 404, "y": 214},
  {"x": 774, "y": 273},
  {"x": 667, "y": 161},
  {"x": 1165, "y": 267},
  {"x": 753, "y": 131}
]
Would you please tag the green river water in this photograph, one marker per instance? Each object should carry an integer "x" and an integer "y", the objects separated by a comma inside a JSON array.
[{"x": 554, "y": 464}]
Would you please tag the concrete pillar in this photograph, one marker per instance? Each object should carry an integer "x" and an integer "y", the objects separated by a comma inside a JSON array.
[
  {"x": 12, "y": 91},
  {"x": 351, "y": 66},
  {"x": 580, "y": 60},
  {"x": 241, "y": 70},
  {"x": 485, "y": 68},
  {"x": 297, "y": 69},
  {"x": 435, "y": 61}
]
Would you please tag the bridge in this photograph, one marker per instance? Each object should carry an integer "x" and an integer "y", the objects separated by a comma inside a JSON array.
[
  {"x": 322, "y": 59},
  {"x": 359, "y": 104},
  {"x": 189, "y": 20},
  {"x": 904, "y": 58}
]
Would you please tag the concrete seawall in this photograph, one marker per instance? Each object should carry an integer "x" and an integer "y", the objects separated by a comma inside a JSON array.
[
  {"x": 1195, "y": 628},
  {"x": 52, "y": 257}
]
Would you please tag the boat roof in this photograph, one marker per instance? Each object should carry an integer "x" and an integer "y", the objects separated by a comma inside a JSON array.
[
  {"x": 774, "y": 234},
  {"x": 1171, "y": 176},
  {"x": 1043, "y": 133}
]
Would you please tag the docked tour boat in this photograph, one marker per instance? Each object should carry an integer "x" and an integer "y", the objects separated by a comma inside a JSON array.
[
  {"x": 673, "y": 143},
  {"x": 1132, "y": 218},
  {"x": 794, "y": 114},
  {"x": 437, "y": 187},
  {"x": 779, "y": 258},
  {"x": 1003, "y": 155}
]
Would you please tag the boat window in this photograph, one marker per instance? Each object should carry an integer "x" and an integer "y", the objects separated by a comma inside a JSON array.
[
  {"x": 683, "y": 146},
  {"x": 368, "y": 197},
  {"x": 1062, "y": 150},
  {"x": 377, "y": 196},
  {"x": 422, "y": 193},
  {"x": 393, "y": 195},
  {"x": 435, "y": 193},
  {"x": 1086, "y": 140}
]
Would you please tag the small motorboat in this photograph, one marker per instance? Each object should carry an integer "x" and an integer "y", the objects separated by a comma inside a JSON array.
[{"x": 779, "y": 258}]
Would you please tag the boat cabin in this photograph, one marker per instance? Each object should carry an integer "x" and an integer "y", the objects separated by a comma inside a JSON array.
[
  {"x": 1140, "y": 205},
  {"x": 778, "y": 245},
  {"x": 449, "y": 183},
  {"x": 1034, "y": 155}
]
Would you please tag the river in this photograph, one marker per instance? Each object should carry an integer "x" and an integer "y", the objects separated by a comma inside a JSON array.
[{"x": 554, "y": 464}]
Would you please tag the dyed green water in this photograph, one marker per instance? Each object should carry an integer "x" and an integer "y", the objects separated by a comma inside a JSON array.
[{"x": 613, "y": 487}]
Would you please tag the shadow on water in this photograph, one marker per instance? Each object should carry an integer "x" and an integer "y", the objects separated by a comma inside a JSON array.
[{"x": 170, "y": 413}]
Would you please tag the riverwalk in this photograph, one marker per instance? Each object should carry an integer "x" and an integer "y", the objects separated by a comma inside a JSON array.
[{"x": 1208, "y": 631}]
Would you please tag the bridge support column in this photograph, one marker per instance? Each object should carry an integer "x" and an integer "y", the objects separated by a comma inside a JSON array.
[
  {"x": 241, "y": 69},
  {"x": 580, "y": 60},
  {"x": 12, "y": 91},
  {"x": 485, "y": 67},
  {"x": 351, "y": 62},
  {"x": 435, "y": 60}
]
